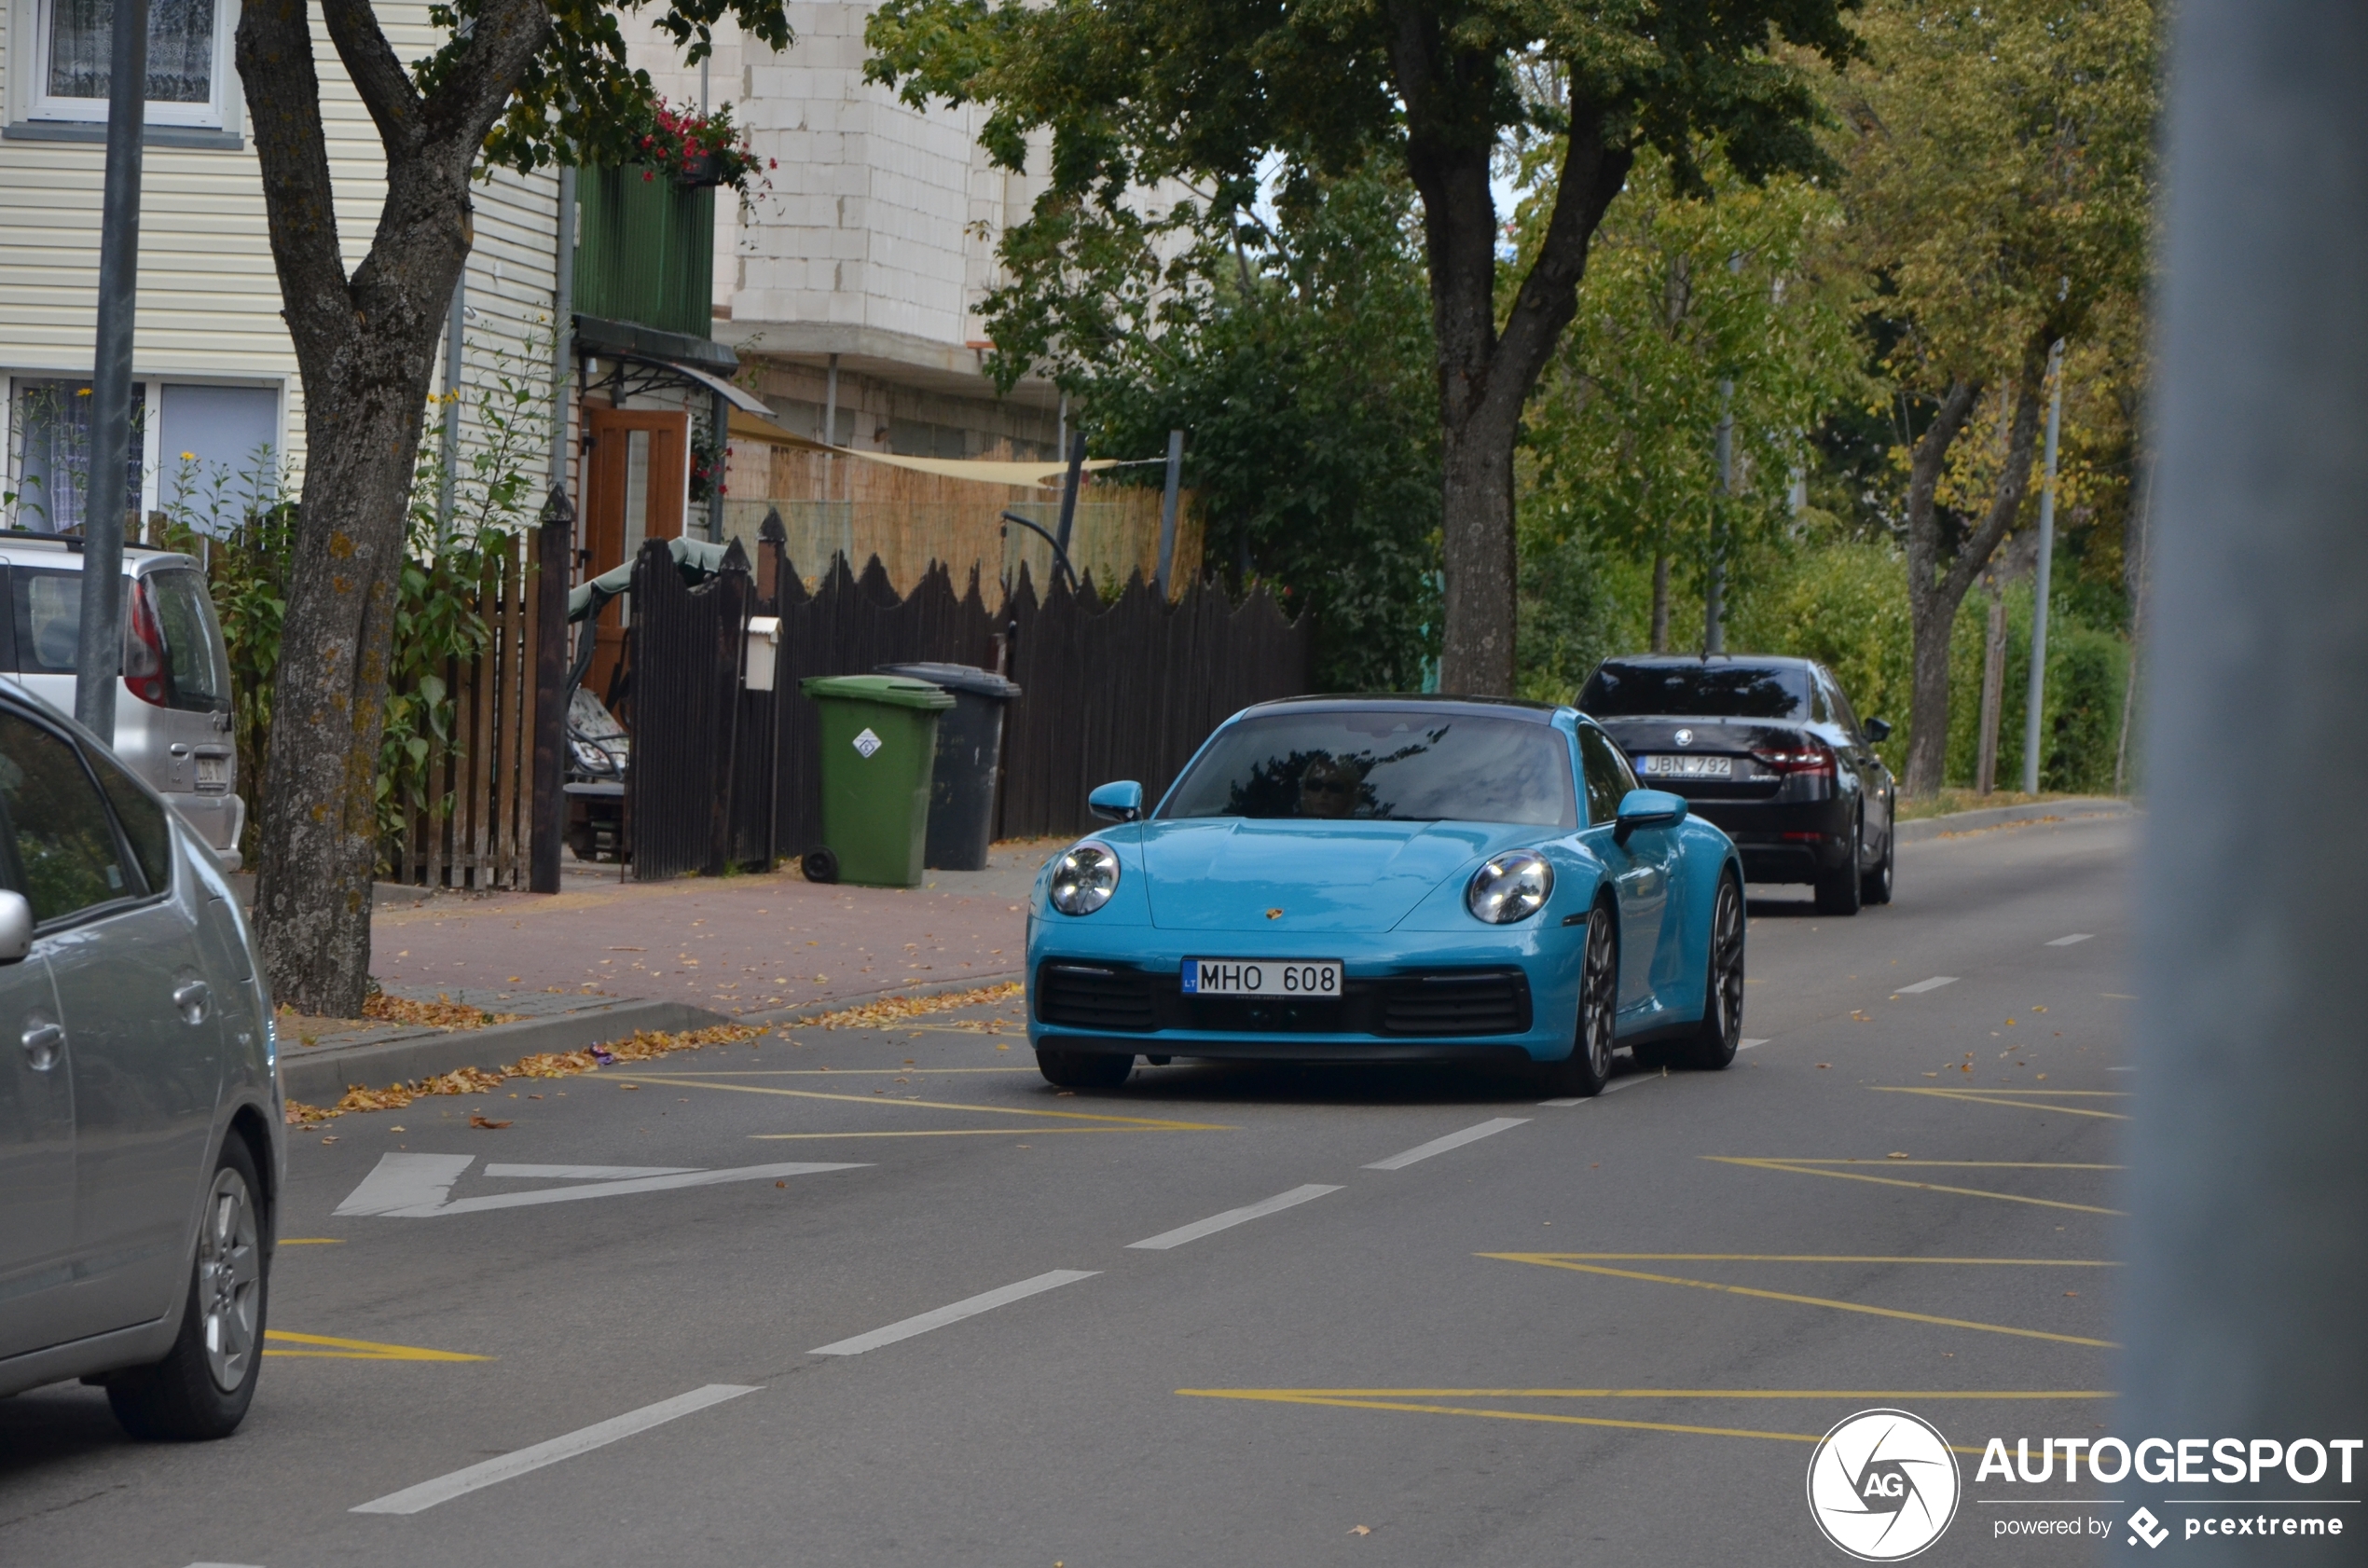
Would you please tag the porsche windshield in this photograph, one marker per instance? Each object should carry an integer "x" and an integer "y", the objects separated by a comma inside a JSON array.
[
  {"x": 1691, "y": 690},
  {"x": 1381, "y": 764}
]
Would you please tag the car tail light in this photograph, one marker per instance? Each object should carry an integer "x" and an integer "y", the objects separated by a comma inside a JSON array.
[
  {"x": 1814, "y": 760},
  {"x": 144, "y": 664}
]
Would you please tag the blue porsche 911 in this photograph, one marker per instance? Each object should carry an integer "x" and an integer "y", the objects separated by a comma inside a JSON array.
[{"x": 1391, "y": 879}]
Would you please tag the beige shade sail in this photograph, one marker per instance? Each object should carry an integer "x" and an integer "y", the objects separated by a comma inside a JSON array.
[{"x": 978, "y": 470}]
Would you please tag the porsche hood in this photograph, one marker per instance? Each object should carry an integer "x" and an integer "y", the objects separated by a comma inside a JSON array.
[{"x": 1231, "y": 874}]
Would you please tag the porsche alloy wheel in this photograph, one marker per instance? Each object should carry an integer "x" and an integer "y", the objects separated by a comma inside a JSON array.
[
  {"x": 1588, "y": 1066},
  {"x": 1722, "y": 1027}
]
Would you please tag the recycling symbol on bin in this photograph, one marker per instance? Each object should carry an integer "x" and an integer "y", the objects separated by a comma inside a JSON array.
[{"x": 868, "y": 743}]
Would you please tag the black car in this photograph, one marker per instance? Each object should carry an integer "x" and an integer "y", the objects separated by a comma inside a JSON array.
[{"x": 1767, "y": 748}]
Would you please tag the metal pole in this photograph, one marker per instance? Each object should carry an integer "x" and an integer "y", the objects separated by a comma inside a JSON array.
[
  {"x": 2046, "y": 559},
  {"x": 98, "y": 654},
  {"x": 448, "y": 453},
  {"x": 2248, "y": 1180},
  {"x": 1167, "y": 508},
  {"x": 1069, "y": 495},
  {"x": 1715, "y": 601},
  {"x": 547, "y": 820}
]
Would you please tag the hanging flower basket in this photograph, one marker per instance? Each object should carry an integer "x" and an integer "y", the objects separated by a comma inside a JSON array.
[
  {"x": 698, "y": 151},
  {"x": 700, "y": 171}
]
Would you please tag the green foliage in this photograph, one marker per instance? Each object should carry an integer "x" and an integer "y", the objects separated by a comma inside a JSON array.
[
  {"x": 1571, "y": 597},
  {"x": 1845, "y": 606},
  {"x": 1303, "y": 374},
  {"x": 2080, "y": 728},
  {"x": 1683, "y": 293}
]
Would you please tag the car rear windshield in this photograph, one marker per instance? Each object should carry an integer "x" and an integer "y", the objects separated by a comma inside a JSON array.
[
  {"x": 1691, "y": 690},
  {"x": 1384, "y": 764},
  {"x": 48, "y": 620}
]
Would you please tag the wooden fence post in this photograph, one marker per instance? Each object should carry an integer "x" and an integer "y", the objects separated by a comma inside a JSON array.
[{"x": 552, "y": 553}]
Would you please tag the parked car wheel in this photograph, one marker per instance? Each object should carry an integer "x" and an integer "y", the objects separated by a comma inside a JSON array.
[
  {"x": 203, "y": 1387},
  {"x": 1875, "y": 886},
  {"x": 1083, "y": 1069},
  {"x": 1722, "y": 1028},
  {"x": 1838, "y": 890},
  {"x": 1588, "y": 1066}
]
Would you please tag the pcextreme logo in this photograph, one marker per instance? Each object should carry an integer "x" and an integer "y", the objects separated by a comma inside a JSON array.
[{"x": 1882, "y": 1485}]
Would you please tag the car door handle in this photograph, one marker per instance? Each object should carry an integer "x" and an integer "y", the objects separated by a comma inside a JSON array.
[
  {"x": 194, "y": 999},
  {"x": 42, "y": 1039}
]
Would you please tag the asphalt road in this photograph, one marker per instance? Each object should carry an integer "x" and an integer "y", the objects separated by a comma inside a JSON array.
[{"x": 1500, "y": 1352}]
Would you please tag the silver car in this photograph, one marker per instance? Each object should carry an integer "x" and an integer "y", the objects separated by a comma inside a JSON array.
[
  {"x": 172, "y": 716},
  {"x": 142, "y": 1137}
]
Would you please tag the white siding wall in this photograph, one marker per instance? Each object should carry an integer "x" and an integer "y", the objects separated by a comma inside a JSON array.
[{"x": 209, "y": 300}]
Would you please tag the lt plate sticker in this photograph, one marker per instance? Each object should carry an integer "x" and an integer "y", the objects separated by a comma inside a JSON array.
[
  {"x": 1270, "y": 977},
  {"x": 868, "y": 743}
]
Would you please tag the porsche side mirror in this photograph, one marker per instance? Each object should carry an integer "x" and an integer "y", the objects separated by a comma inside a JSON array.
[
  {"x": 1647, "y": 808},
  {"x": 1878, "y": 730},
  {"x": 15, "y": 928},
  {"x": 1121, "y": 801}
]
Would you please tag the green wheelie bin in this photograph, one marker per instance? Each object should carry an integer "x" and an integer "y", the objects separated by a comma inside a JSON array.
[{"x": 879, "y": 742}]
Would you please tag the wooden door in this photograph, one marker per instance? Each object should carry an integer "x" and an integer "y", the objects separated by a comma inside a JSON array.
[{"x": 632, "y": 492}]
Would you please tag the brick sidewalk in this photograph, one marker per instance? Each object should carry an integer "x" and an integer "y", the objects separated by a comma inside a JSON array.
[{"x": 742, "y": 944}]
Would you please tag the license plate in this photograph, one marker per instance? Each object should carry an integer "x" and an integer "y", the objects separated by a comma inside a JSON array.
[
  {"x": 1665, "y": 766},
  {"x": 1262, "y": 977},
  {"x": 213, "y": 773}
]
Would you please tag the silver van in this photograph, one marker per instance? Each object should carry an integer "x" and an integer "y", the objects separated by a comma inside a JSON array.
[
  {"x": 173, "y": 717},
  {"x": 142, "y": 1139}
]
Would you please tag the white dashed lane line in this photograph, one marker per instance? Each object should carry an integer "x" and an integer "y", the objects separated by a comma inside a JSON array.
[
  {"x": 427, "y": 1494},
  {"x": 1230, "y": 1219},
  {"x": 970, "y": 1307},
  {"x": 1935, "y": 983},
  {"x": 2067, "y": 941},
  {"x": 1748, "y": 1044},
  {"x": 1452, "y": 1140}
]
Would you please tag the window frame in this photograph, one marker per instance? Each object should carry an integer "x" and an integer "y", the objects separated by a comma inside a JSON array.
[
  {"x": 32, "y": 20},
  {"x": 12, "y": 866}
]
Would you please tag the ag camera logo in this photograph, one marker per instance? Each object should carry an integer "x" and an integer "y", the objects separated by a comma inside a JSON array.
[{"x": 1882, "y": 1485}]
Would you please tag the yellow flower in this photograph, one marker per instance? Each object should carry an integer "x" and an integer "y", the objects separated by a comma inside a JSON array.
[{"x": 189, "y": 457}]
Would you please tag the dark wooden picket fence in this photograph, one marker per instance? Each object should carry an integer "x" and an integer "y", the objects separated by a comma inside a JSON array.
[{"x": 1122, "y": 688}]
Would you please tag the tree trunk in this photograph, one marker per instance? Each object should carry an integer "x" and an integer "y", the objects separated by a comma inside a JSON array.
[
  {"x": 366, "y": 347},
  {"x": 1936, "y": 586},
  {"x": 1660, "y": 601},
  {"x": 1484, "y": 376}
]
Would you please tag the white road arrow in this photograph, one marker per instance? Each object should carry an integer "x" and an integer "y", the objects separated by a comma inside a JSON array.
[{"x": 420, "y": 1186}]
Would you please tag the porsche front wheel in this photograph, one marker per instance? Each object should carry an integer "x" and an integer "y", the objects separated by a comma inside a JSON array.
[
  {"x": 1588, "y": 1066},
  {"x": 1722, "y": 1026}
]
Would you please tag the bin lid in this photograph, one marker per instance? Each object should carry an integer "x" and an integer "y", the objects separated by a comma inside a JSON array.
[
  {"x": 897, "y": 690},
  {"x": 956, "y": 677}
]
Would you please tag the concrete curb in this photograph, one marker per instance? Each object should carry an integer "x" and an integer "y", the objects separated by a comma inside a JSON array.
[
  {"x": 1925, "y": 828},
  {"x": 319, "y": 1075}
]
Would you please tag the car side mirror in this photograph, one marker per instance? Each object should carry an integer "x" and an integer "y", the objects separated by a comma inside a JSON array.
[
  {"x": 1647, "y": 808},
  {"x": 15, "y": 928},
  {"x": 1878, "y": 730},
  {"x": 1121, "y": 801}
]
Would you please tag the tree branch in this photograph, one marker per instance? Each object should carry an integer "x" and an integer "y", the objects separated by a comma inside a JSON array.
[
  {"x": 1926, "y": 459},
  {"x": 467, "y": 100},
  {"x": 284, "y": 107},
  {"x": 2029, "y": 388},
  {"x": 377, "y": 74},
  {"x": 1592, "y": 175}
]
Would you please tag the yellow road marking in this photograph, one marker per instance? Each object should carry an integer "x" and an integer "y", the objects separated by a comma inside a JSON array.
[
  {"x": 1286, "y": 1397},
  {"x": 1821, "y": 1257},
  {"x": 1891, "y": 1164},
  {"x": 1656, "y": 1393},
  {"x": 845, "y": 1072},
  {"x": 1918, "y": 1186},
  {"x": 311, "y": 1240},
  {"x": 1999, "y": 1097},
  {"x": 960, "y": 1133},
  {"x": 359, "y": 1350},
  {"x": 1552, "y": 1260},
  {"x": 1151, "y": 1123}
]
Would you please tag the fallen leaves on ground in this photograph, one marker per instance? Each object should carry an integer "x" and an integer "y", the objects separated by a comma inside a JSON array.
[
  {"x": 646, "y": 1045},
  {"x": 441, "y": 1013},
  {"x": 887, "y": 1011},
  {"x": 486, "y": 1122}
]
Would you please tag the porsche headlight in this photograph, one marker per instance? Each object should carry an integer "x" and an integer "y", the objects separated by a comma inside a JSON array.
[
  {"x": 1084, "y": 878},
  {"x": 1512, "y": 887}
]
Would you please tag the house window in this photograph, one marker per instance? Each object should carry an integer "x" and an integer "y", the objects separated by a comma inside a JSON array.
[
  {"x": 50, "y": 488},
  {"x": 190, "y": 76}
]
